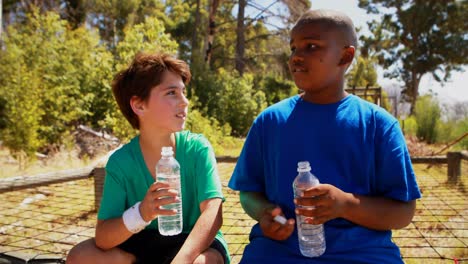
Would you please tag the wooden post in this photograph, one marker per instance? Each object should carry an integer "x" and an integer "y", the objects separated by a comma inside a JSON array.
[
  {"x": 99, "y": 175},
  {"x": 454, "y": 166}
]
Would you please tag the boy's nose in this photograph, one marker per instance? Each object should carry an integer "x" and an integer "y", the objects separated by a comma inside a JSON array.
[
  {"x": 184, "y": 101},
  {"x": 296, "y": 58}
]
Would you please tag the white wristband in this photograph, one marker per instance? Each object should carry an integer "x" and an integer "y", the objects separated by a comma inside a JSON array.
[{"x": 132, "y": 219}]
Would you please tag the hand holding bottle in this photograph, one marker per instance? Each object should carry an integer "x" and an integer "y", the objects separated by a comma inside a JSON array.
[
  {"x": 329, "y": 202},
  {"x": 273, "y": 229},
  {"x": 311, "y": 237},
  {"x": 158, "y": 195}
]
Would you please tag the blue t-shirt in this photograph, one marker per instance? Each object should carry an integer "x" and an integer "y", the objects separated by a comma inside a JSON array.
[{"x": 352, "y": 144}]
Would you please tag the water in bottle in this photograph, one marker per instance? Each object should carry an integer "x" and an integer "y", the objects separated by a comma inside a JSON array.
[
  {"x": 168, "y": 170},
  {"x": 311, "y": 237}
]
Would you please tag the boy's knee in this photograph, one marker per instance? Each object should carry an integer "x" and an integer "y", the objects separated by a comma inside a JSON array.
[
  {"x": 78, "y": 252},
  {"x": 209, "y": 256},
  {"x": 73, "y": 256}
]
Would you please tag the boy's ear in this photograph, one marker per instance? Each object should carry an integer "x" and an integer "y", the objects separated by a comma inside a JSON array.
[
  {"x": 137, "y": 105},
  {"x": 348, "y": 55}
]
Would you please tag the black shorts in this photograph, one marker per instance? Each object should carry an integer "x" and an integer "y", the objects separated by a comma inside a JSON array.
[{"x": 149, "y": 246}]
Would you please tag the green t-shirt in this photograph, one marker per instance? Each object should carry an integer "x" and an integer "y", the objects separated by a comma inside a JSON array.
[{"x": 128, "y": 179}]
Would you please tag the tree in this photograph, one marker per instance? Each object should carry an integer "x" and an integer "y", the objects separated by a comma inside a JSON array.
[
  {"x": 51, "y": 78},
  {"x": 362, "y": 73},
  {"x": 418, "y": 37}
]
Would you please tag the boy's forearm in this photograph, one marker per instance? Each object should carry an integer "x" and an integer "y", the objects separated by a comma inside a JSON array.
[
  {"x": 378, "y": 212},
  {"x": 204, "y": 231},
  {"x": 255, "y": 204},
  {"x": 111, "y": 233}
]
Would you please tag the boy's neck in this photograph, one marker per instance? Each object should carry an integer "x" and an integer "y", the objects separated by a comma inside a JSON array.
[
  {"x": 152, "y": 141},
  {"x": 324, "y": 96}
]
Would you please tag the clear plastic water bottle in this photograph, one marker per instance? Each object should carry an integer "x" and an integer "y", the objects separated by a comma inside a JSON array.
[
  {"x": 168, "y": 170},
  {"x": 311, "y": 237}
]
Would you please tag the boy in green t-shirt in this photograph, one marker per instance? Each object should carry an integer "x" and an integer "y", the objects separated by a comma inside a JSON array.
[{"x": 151, "y": 95}]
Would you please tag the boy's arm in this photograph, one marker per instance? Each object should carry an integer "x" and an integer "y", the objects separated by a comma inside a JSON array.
[
  {"x": 204, "y": 231},
  {"x": 377, "y": 213},
  {"x": 110, "y": 233},
  {"x": 257, "y": 206}
]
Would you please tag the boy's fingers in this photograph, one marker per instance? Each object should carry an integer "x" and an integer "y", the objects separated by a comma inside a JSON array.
[
  {"x": 286, "y": 230},
  {"x": 276, "y": 211},
  {"x": 158, "y": 185},
  {"x": 308, "y": 201},
  {"x": 315, "y": 191}
]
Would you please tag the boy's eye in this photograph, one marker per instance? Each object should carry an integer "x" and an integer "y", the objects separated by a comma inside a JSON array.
[
  {"x": 171, "y": 92},
  {"x": 311, "y": 46}
]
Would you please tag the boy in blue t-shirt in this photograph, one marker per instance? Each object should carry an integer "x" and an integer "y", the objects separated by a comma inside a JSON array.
[{"x": 355, "y": 148}]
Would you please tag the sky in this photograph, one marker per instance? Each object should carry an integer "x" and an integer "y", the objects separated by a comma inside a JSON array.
[{"x": 454, "y": 90}]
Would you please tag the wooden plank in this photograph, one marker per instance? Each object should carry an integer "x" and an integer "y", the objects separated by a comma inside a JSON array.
[{"x": 429, "y": 159}]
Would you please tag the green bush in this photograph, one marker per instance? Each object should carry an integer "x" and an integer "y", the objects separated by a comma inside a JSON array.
[
  {"x": 452, "y": 130},
  {"x": 219, "y": 136},
  {"x": 409, "y": 126},
  {"x": 276, "y": 88},
  {"x": 49, "y": 76},
  {"x": 230, "y": 99},
  {"x": 427, "y": 114}
]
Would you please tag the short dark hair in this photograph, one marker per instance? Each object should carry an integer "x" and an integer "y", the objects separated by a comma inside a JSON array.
[
  {"x": 142, "y": 75},
  {"x": 334, "y": 19}
]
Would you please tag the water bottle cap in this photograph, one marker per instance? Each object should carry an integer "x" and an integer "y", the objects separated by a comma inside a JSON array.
[
  {"x": 303, "y": 166},
  {"x": 167, "y": 151}
]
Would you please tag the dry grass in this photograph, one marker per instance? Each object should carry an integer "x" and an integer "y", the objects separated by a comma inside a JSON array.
[{"x": 63, "y": 160}]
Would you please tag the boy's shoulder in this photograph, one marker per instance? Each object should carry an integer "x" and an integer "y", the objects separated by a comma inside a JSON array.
[
  {"x": 124, "y": 151},
  {"x": 192, "y": 141},
  {"x": 376, "y": 110},
  {"x": 190, "y": 137},
  {"x": 283, "y": 106}
]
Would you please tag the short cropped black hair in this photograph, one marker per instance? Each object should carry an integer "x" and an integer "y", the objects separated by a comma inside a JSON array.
[{"x": 334, "y": 19}]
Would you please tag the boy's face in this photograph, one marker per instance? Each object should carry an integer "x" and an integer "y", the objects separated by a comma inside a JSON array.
[
  {"x": 315, "y": 60},
  {"x": 166, "y": 107}
]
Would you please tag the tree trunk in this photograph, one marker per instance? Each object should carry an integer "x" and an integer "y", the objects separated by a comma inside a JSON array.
[
  {"x": 194, "y": 55},
  {"x": 414, "y": 93},
  {"x": 75, "y": 12},
  {"x": 240, "y": 44},
  {"x": 211, "y": 30}
]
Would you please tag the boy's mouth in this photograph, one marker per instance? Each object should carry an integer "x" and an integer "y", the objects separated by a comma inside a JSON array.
[
  {"x": 182, "y": 115},
  {"x": 299, "y": 70}
]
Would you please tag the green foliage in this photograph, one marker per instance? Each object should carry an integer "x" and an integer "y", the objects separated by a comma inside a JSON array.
[
  {"x": 409, "y": 126},
  {"x": 276, "y": 88},
  {"x": 219, "y": 136},
  {"x": 385, "y": 103},
  {"x": 451, "y": 130},
  {"x": 230, "y": 99},
  {"x": 427, "y": 114},
  {"x": 22, "y": 110},
  {"x": 49, "y": 74},
  {"x": 362, "y": 73},
  {"x": 148, "y": 37}
]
